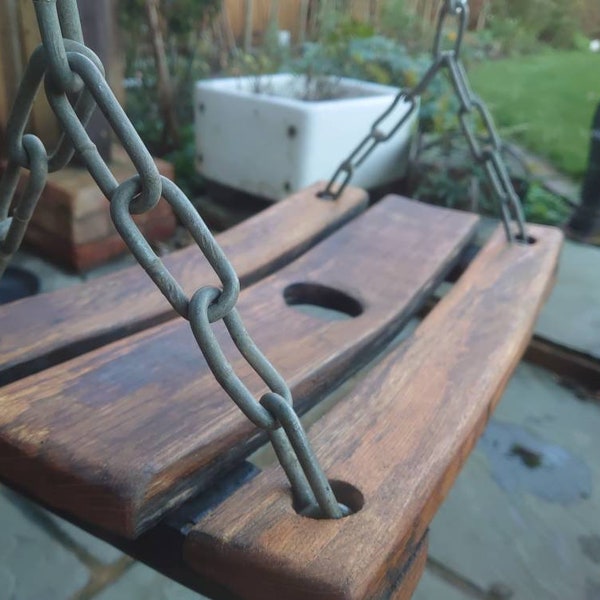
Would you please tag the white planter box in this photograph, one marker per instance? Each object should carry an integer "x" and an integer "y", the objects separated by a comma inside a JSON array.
[{"x": 271, "y": 144}]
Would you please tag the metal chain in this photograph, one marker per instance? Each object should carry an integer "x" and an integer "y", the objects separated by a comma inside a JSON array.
[
  {"x": 67, "y": 67},
  {"x": 470, "y": 108},
  {"x": 12, "y": 228}
]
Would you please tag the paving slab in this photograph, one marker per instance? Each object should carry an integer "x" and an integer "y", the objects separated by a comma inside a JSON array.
[
  {"x": 33, "y": 566},
  {"x": 432, "y": 587},
  {"x": 96, "y": 548},
  {"x": 571, "y": 317},
  {"x": 142, "y": 583},
  {"x": 525, "y": 511}
]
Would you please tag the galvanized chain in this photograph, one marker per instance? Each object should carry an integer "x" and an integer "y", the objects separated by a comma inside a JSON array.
[
  {"x": 67, "y": 67},
  {"x": 489, "y": 154}
]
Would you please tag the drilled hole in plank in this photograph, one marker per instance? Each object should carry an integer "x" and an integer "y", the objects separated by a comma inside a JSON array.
[
  {"x": 324, "y": 195},
  {"x": 322, "y": 301},
  {"x": 528, "y": 241},
  {"x": 349, "y": 497}
]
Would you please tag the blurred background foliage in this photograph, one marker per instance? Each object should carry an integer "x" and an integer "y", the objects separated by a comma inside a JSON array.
[{"x": 390, "y": 45}]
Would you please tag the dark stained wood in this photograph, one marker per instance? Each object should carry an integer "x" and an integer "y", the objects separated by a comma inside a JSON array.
[
  {"x": 400, "y": 437},
  {"x": 42, "y": 330},
  {"x": 404, "y": 577},
  {"x": 121, "y": 435}
]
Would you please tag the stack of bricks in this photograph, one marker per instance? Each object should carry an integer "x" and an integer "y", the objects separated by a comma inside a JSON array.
[{"x": 72, "y": 225}]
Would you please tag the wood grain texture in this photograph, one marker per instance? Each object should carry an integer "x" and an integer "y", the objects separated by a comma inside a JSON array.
[
  {"x": 119, "y": 436},
  {"x": 400, "y": 437},
  {"x": 42, "y": 330},
  {"x": 405, "y": 577}
]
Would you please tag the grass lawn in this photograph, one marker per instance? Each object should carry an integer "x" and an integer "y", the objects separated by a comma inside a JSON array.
[{"x": 544, "y": 101}]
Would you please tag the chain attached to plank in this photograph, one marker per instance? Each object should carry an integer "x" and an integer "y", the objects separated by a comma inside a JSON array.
[
  {"x": 68, "y": 69},
  {"x": 471, "y": 108}
]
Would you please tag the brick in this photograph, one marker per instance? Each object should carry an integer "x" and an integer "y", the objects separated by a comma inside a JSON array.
[
  {"x": 72, "y": 224},
  {"x": 92, "y": 228}
]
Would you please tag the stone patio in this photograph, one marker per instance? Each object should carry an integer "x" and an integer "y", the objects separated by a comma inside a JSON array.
[{"x": 521, "y": 522}]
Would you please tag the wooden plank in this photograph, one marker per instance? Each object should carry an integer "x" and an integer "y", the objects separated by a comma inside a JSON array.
[
  {"x": 162, "y": 549},
  {"x": 303, "y": 21},
  {"x": 400, "y": 438},
  {"x": 43, "y": 121},
  {"x": 10, "y": 64},
  {"x": 40, "y": 331},
  {"x": 406, "y": 576},
  {"x": 248, "y": 29},
  {"x": 97, "y": 24},
  {"x": 120, "y": 435}
]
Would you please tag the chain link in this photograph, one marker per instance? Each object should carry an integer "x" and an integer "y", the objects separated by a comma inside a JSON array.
[
  {"x": 12, "y": 229},
  {"x": 57, "y": 23},
  {"x": 471, "y": 108},
  {"x": 66, "y": 66},
  {"x": 23, "y": 105},
  {"x": 120, "y": 205}
]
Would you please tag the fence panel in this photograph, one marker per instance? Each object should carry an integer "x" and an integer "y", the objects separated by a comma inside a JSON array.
[
  {"x": 10, "y": 60},
  {"x": 249, "y": 19}
]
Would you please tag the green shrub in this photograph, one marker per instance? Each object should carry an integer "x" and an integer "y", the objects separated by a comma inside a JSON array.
[
  {"x": 399, "y": 22},
  {"x": 188, "y": 55},
  {"x": 554, "y": 22},
  {"x": 542, "y": 206},
  {"x": 351, "y": 51},
  {"x": 447, "y": 175},
  {"x": 511, "y": 37}
]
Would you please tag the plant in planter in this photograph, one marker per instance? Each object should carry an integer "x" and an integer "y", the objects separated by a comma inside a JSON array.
[
  {"x": 270, "y": 134},
  {"x": 291, "y": 133}
]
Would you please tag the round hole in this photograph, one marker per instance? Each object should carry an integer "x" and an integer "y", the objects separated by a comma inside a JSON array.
[
  {"x": 287, "y": 186},
  {"x": 201, "y": 107},
  {"x": 529, "y": 241},
  {"x": 200, "y": 158},
  {"x": 325, "y": 195},
  {"x": 350, "y": 499},
  {"x": 292, "y": 131},
  {"x": 321, "y": 301}
]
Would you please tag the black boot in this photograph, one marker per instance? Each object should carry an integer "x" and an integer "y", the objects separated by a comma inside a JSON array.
[{"x": 584, "y": 225}]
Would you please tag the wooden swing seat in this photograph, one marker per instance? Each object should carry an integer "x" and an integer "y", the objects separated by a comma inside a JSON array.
[
  {"x": 40, "y": 331},
  {"x": 123, "y": 429}
]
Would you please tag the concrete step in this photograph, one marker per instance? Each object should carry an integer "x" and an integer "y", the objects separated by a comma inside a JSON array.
[{"x": 571, "y": 317}]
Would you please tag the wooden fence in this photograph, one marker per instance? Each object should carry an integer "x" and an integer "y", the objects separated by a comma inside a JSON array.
[
  {"x": 19, "y": 36},
  {"x": 247, "y": 20}
]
